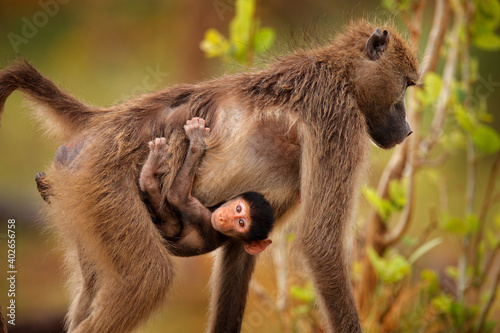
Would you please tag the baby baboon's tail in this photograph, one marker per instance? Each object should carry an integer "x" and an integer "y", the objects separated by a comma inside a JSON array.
[{"x": 57, "y": 106}]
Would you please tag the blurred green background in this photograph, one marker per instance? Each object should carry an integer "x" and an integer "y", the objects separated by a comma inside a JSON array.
[{"x": 105, "y": 51}]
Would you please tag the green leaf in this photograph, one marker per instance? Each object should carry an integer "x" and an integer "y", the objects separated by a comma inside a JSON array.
[
  {"x": 304, "y": 294},
  {"x": 462, "y": 227},
  {"x": 214, "y": 44},
  {"x": 457, "y": 312},
  {"x": 240, "y": 29},
  {"x": 497, "y": 221},
  {"x": 432, "y": 87},
  {"x": 397, "y": 193},
  {"x": 465, "y": 119},
  {"x": 404, "y": 5},
  {"x": 389, "y": 270},
  {"x": 492, "y": 239},
  {"x": 454, "y": 140},
  {"x": 486, "y": 139},
  {"x": 487, "y": 14},
  {"x": 487, "y": 40},
  {"x": 356, "y": 269},
  {"x": 302, "y": 310},
  {"x": 241, "y": 25},
  {"x": 455, "y": 225},
  {"x": 442, "y": 303},
  {"x": 264, "y": 39},
  {"x": 389, "y": 4},
  {"x": 486, "y": 117},
  {"x": 472, "y": 223},
  {"x": 382, "y": 206},
  {"x": 431, "y": 280},
  {"x": 409, "y": 240},
  {"x": 452, "y": 272}
]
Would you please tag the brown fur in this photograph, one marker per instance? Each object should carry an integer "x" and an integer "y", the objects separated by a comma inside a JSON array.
[
  {"x": 3, "y": 326},
  {"x": 299, "y": 125}
]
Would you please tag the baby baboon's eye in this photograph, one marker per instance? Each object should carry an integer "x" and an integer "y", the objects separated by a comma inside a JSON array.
[
  {"x": 238, "y": 209},
  {"x": 241, "y": 222}
]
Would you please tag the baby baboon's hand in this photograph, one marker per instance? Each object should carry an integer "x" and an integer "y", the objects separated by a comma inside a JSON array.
[{"x": 196, "y": 131}]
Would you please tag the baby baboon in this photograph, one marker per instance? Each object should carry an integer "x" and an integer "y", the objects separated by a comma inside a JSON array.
[
  {"x": 301, "y": 125},
  {"x": 247, "y": 217}
]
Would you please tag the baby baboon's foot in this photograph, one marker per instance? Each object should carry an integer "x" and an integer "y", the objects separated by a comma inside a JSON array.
[
  {"x": 158, "y": 147},
  {"x": 196, "y": 130},
  {"x": 158, "y": 154}
]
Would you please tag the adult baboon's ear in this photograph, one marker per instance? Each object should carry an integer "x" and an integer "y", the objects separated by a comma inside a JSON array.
[{"x": 377, "y": 43}]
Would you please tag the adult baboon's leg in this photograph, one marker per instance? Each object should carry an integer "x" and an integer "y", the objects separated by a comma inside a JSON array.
[
  {"x": 230, "y": 279},
  {"x": 329, "y": 184},
  {"x": 133, "y": 268},
  {"x": 85, "y": 278}
]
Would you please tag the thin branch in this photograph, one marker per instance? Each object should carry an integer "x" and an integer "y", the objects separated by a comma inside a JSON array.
[
  {"x": 280, "y": 263},
  {"x": 487, "y": 197},
  {"x": 491, "y": 299},
  {"x": 437, "y": 162},
  {"x": 374, "y": 225},
  {"x": 436, "y": 36},
  {"x": 445, "y": 93},
  {"x": 424, "y": 235},
  {"x": 392, "y": 237},
  {"x": 391, "y": 303},
  {"x": 432, "y": 51},
  {"x": 488, "y": 264},
  {"x": 416, "y": 22}
]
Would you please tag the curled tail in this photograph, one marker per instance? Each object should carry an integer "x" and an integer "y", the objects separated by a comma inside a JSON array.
[{"x": 69, "y": 114}]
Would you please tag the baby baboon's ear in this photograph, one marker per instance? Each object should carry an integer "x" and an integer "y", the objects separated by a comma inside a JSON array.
[{"x": 377, "y": 43}]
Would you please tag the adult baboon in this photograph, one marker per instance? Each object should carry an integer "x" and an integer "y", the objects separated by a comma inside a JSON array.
[{"x": 299, "y": 126}]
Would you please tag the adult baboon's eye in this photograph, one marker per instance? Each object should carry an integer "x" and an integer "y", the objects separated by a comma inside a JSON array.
[
  {"x": 241, "y": 222},
  {"x": 238, "y": 209}
]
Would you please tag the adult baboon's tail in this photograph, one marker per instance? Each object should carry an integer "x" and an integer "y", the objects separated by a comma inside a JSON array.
[{"x": 69, "y": 114}]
